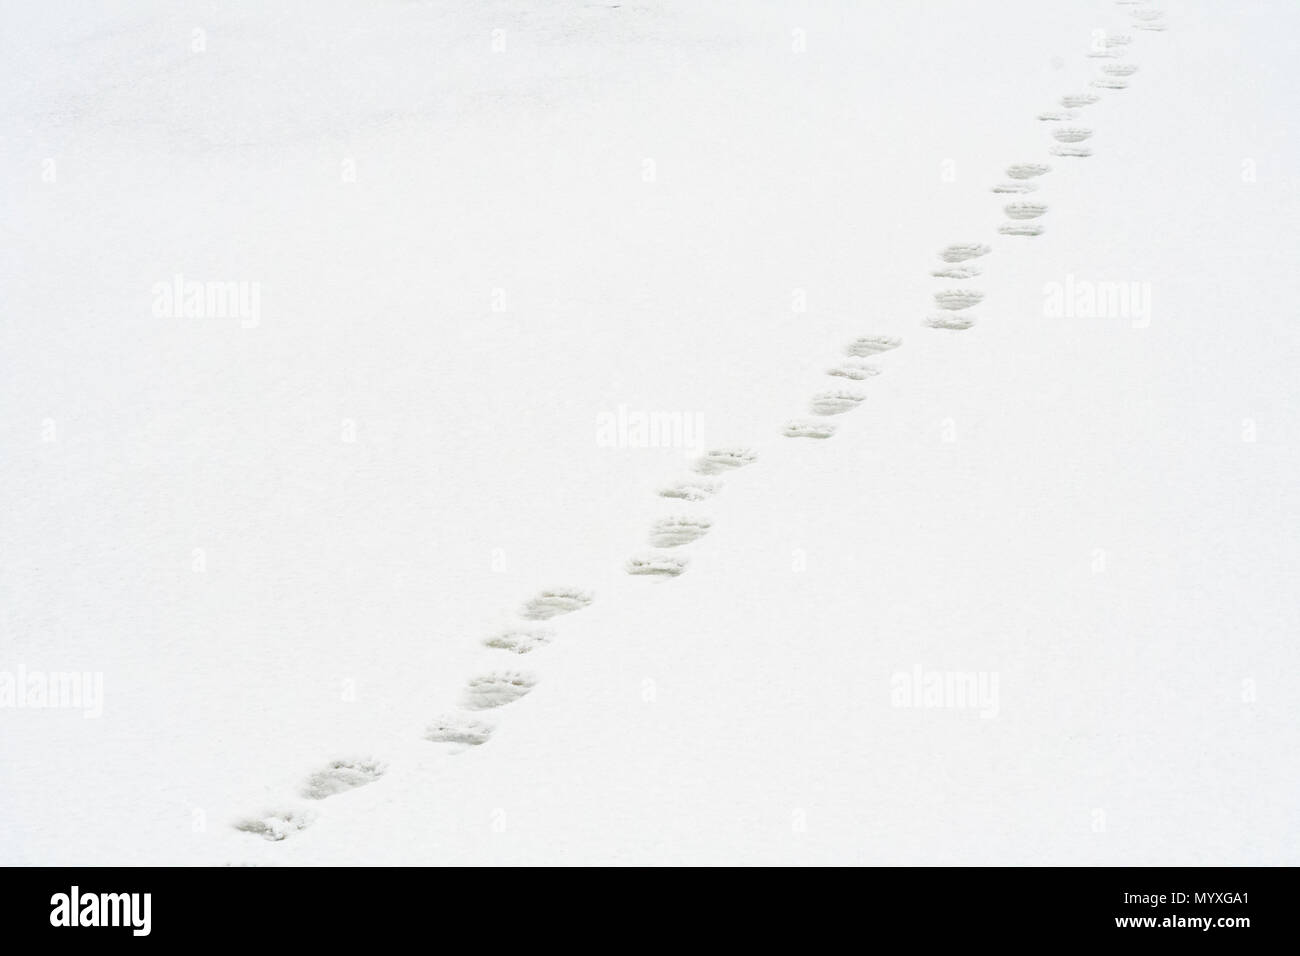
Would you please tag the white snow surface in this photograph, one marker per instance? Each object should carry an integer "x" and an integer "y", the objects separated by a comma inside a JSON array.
[{"x": 480, "y": 229}]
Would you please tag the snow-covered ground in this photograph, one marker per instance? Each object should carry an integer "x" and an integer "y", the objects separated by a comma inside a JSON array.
[{"x": 470, "y": 239}]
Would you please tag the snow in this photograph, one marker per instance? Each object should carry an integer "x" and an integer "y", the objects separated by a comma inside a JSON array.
[{"x": 476, "y": 232}]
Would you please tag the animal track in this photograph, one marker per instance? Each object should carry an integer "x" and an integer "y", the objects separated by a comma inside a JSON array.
[
  {"x": 718, "y": 460},
  {"x": 696, "y": 490},
  {"x": 657, "y": 565},
  {"x": 340, "y": 776},
  {"x": 956, "y": 272},
  {"x": 1157, "y": 27},
  {"x": 836, "y": 402},
  {"x": 497, "y": 689},
  {"x": 1147, "y": 14},
  {"x": 1073, "y": 100},
  {"x": 1119, "y": 69},
  {"x": 1027, "y": 170},
  {"x": 857, "y": 371},
  {"x": 1071, "y": 134},
  {"x": 1024, "y": 210},
  {"x": 520, "y": 640},
  {"x": 277, "y": 825},
  {"x": 1015, "y": 187},
  {"x": 1079, "y": 151},
  {"x": 961, "y": 251},
  {"x": 672, "y": 532},
  {"x": 553, "y": 603},
  {"x": 958, "y": 298},
  {"x": 806, "y": 429},
  {"x": 1118, "y": 40},
  {"x": 1020, "y": 229},
  {"x": 1109, "y": 83},
  {"x": 950, "y": 321},
  {"x": 1054, "y": 116},
  {"x": 869, "y": 345},
  {"x": 458, "y": 729}
]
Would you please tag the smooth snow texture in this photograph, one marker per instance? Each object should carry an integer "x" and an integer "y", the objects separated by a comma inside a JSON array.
[{"x": 462, "y": 236}]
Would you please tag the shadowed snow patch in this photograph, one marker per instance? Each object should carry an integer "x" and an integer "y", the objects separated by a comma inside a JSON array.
[
  {"x": 961, "y": 251},
  {"x": 672, "y": 532},
  {"x": 557, "y": 601},
  {"x": 1028, "y": 170},
  {"x": 836, "y": 402},
  {"x": 1024, "y": 210},
  {"x": 802, "y": 428},
  {"x": 869, "y": 345},
  {"x": 719, "y": 460},
  {"x": 857, "y": 371},
  {"x": 1071, "y": 134},
  {"x": 342, "y": 775},
  {"x": 497, "y": 689},
  {"x": 696, "y": 490},
  {"x": 520, "y": 640},
  {"x": 956, "y": 272},
  {"x": 459, "y": 729},
  {"x": 277, "y": 825},
  {"x": 958, "y": 298},
  {"x": 656, "y": 565},
  {"x": 1020, "y": 229},
  {"x": 951, "y": 321}
]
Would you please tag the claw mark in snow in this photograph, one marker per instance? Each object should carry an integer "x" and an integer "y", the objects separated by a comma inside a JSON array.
[
  {"x": 949, "y": 321},
  {"x": 853, "y": 370},
  {"x": 1071, "y": 134},
  {"x": 497, "y": 689},
  {"x": 1020, "y": 229},
  {"x": 837, "y": 402},
  {"x": 807, "y": 429},
  {"x": 552, "y": 603},
  {"x": 869, "y": 345},
  {"x": 671, "y": 532},
  {"x": 718, "y": 460},
  {"x": 276, "y": 825},
  {"x": 457, "y": 729},
  {"x": 520, "y": 640},
  {"x": 1079, "y": 151},
  {"x": 961, "y": 251},
  {"x": 958, "y": 298},
  {"x": 1073, "y": 100},
  {"x": 1024, "y": 210},
  {"x": 658, "y": 565},
  {"x": 342, "y": 775},
  {"x": 1027, "y": 170},
  {"x": 696, "y": 490}
]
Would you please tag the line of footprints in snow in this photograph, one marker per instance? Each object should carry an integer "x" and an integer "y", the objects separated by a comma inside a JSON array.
[{"x": 468, "y": 726}]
